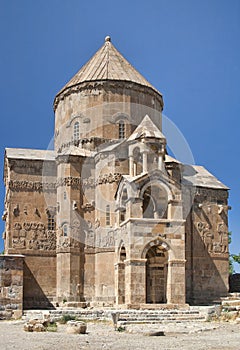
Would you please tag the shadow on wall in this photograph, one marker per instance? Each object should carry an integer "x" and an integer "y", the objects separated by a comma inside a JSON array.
[
  {"x": 234, "y": 283},
  {"x": 33, "y": 296},
  {"x": 208, "y": 272},
  {"x": 207, "y": 267}
]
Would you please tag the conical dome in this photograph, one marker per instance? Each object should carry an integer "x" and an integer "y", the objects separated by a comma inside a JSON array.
[
  {"x": 105, "y": 93},
  {"x": 107, "y": 64}
]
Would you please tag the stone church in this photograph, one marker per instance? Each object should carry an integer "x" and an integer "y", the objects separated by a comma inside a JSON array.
[{"x": 109, "y": 217}]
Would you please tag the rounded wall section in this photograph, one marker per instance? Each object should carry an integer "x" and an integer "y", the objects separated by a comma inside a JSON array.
[{"x": 94, "y": 105}]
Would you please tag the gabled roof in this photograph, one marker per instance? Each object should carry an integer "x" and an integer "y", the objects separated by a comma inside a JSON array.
[
  {"x": 107, "y": 64},
  {"x": 31, "y": 154},
  {"x": 197, "y": 175},
  {"x": 146, "y": 129}
]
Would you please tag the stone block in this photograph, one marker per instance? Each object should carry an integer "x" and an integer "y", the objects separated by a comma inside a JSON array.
[{"x": 76, "y": 327}]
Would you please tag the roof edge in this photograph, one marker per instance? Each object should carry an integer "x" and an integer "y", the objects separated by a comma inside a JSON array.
[{"x": 85, "y": 85}]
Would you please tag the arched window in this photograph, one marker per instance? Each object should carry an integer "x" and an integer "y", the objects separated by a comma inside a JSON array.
[
  {"x": 148, "y": 205},
  {"x": 76, "y": 131},
  {"x": 108, "y": 215},
  {"x": 137, "y": 161},
  {"x": 51, "y": 222},
  {"x": 122, "y": 254},
  {"x": 65, "y": 230},
  {"x": 123, "y": 205},
  {"x": 155, "y": 202},
  {"x": 121, "y": 129}
]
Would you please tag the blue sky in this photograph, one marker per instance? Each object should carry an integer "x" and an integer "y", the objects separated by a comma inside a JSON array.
[{"x": 189, "y": 50}]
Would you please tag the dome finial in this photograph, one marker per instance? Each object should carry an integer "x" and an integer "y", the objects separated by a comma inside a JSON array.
[{"x": 107, "y": 39}]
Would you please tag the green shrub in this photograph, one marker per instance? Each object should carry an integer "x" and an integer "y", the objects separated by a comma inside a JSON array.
[
  {"x": 65, "y": 318},
  {"x": 52, "y": 327}
]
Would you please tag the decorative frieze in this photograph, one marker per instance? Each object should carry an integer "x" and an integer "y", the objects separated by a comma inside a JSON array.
[
  {"x": 105, "y": 240},
  {"x": 95, "y": 141},
  {"x": 102, "y": 179},
  {"x": 74, "y": 182},
  {"x": 89, "y": 182},
  {"x": 31, "y": 186},
  {"x": 31, "y": 167},
  {"x": 67, "y": 242},
  {"x": 87, "y": 207},
  {"x": 109, "y": 178}
]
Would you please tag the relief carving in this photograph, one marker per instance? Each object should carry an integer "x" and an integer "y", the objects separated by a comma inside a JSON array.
[
  {"x": 75, "y": 232},
  {"x": 16, "y": 210},
  {"x": 67, "y": 242},
  {"x": 89, "y": 238},
  {"x": 217, "y": 247},
  {"x": 44, "y": 241},
  {"x": 109, "y": 178},
  {"x": 74, "y": 182},
  {"x": 36, "y": 186},
  {"x": 206, "y": 235},
  {"x": 88, "y": 207},
  {"x": 106, "y": 240},
  {"x": 33, "y": 235},
  {"x": 102, "y": 179},
  {"x": 27, "y": 226},
  {"x": 222, "y": 231},
  {"x": 89, "y": 182},
  {"x": 16, "y": 229},
  {"x": 97, "y": 223},
  {"x": 19, "y": 243}
]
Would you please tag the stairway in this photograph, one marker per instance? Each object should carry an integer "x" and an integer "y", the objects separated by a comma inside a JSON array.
[
  {"x": 231, "y": 302},
  {"x": 124, "y": 316}
]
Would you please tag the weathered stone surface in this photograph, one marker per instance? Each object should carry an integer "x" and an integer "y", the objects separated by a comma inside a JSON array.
[
  {"x": 36, "y": 325},
  {"x": 76, "y": 327},
  {"x": 11, "y": 286}
]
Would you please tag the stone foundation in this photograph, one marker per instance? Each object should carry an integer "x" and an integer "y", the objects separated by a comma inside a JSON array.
[{"x": 11, "y": 286}]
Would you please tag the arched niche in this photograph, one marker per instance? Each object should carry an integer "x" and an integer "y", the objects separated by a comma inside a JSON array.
[{"x": 155, "y": 201}]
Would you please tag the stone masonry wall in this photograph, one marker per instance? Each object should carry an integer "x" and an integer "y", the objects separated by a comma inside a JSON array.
[{"x": 11, "y": 286}]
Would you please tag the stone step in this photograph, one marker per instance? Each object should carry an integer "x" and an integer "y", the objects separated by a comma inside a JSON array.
[
  {"x": 125, "y": 316},
  {"x": 230, "y": 303},
  {"x": 155, "y": 321},
  {"x": 232, "y": 296}
]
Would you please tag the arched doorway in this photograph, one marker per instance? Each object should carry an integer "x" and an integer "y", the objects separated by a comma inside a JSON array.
[{"x": 156, "y": 274}]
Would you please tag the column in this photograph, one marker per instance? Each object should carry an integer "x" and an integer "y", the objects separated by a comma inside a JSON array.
[
  {"x": 135, "y": 282},
  {"x": 176, "y": 293},
  {"x": 120, "y": 283},
  {"x": 145, "y": 167},
  {"x": 160, "y": 162},
  {"x": 131, "y": 166}
]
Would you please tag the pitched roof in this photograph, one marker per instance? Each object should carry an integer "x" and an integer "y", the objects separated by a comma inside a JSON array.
[
  {"x": 108, "y": 64},
  {"x": 32, "y": 154},
  {"x": 197, "y": 175},
  {"x": 146, "y": 129}
]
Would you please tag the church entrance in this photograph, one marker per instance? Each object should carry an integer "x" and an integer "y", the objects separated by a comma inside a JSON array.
[{"x": 156, "y": 275}]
